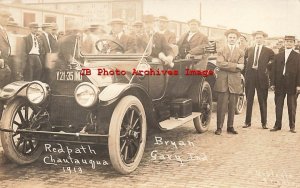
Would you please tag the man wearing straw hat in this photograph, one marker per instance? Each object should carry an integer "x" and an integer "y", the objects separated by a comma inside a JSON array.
[
  {"x": 230, "y": 61},
  {"x": 285, "y": 80},
  {"x": 257, "y": 61}
]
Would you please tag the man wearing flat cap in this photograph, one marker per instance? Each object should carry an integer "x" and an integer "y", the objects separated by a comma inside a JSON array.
[
  {"x": 33, "y": 50},
  {"x": 230, "y": 61},
  {"x": 193, "y": 42},
  {"x": 160, "y": 47},
  {"x": 163, "y": 25},
  {"x": 5, "y": 72},
  {"x": 257, "y": 61},
  {"x": 118, "y": 34},
  {"x": 285, "y": 81}
]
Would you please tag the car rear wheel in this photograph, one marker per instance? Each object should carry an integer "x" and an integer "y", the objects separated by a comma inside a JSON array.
[
  {"x": 18, "y": 147},
  {"x": 127, "y": 134},
  {"x": 201, "y": 123}
]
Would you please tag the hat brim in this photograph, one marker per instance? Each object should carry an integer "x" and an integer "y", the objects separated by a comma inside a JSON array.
[
  {"x": 232, "y": 32},
  {"x": 260, "y": 33}
]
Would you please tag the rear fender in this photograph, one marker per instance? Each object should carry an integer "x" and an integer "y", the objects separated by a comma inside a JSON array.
[{"x": 11, "y": 90}]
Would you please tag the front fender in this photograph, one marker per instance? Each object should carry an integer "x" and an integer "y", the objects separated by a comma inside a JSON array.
[
  {"x": 13, "y": 89},
  {"x": 113, "y": 91}
]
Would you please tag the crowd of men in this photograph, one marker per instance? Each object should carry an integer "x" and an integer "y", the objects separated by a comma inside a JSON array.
[{"x": 260, "y": 65}]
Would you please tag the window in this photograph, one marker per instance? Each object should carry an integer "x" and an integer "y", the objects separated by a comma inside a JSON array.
[
  {"x": 50, "y": 19},
  {"x": 28, "y": 17}
]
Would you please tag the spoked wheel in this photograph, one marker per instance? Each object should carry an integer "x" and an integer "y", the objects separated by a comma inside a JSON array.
[
  {"x": 17, "y": 146},
  {"x": 127, "y": 135},
  {"x": 241, "y": 100},
  {"x": 201, "y": 123}
]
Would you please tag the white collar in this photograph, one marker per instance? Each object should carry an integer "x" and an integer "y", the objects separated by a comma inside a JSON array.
[{"x": 1, "y": 27}]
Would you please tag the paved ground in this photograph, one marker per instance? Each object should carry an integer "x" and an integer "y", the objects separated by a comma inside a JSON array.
[{"x": 253, "y": 158}]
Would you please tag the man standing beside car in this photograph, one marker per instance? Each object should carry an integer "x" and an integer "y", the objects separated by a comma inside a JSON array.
[
  {"x": 5, "y": 71},
  {"x": 257, "y": 61},
  {"x": 33, "y": 50},
  {"x": 230, "y": 60},
  {"x": 285, "y": 80}
]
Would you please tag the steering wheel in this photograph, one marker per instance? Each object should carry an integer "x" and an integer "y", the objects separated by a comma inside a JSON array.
[{"x": 106, "y": 46}]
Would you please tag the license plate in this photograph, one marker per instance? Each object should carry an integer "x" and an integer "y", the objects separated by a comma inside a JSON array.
[{"x": 68, "y": 76}]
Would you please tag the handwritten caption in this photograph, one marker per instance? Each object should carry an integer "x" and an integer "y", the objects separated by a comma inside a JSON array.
[
  {"x": 71, "y": 164},
  {"x": 157, "y": 155},
  {"x": 275, "y": 177}
]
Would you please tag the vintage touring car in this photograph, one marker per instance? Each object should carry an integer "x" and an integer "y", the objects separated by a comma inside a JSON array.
[{"x": 115, "y": 110}]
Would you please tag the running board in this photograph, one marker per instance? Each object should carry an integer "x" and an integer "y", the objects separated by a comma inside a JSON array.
[{"x": 173, "y": 123}]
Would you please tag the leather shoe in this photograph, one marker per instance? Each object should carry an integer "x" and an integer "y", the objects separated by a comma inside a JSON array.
[
  {"x": 218, "y": 131},
  {"x": 247, "y": 125},
  {"x": 231, "y": 130},
  {"x": 275, "y": 129},
  {"x": 264, "y": 126},
  {"x": 292, "y": 131}
]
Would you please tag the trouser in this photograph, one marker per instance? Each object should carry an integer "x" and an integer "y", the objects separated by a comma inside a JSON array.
[
  {"x": 226, "y": 101},
  {"x": 34, "y": 68},
  {"x": 1, "y": 108},
  {"x": 262, "y": 95},
  {"x": 292, "y": 106}
]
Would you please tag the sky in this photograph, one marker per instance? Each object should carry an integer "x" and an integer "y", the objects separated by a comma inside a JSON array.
[{"x": 276, "y": 17}]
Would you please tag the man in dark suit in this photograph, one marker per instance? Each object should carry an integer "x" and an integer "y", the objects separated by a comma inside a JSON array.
[
  {"x": 285, "y": 80},
  {"x": 160, "y": 47},
  {"x": 5, "y": 71},
  {"x": 140, "y": 36},
  {"x": 257, "y": 60},
  {"x": 163, "y": 24},
  {"x": 33, "y": 50},
  {"x": 118, "y": 34},
  {"x": 230, "y": 61}
]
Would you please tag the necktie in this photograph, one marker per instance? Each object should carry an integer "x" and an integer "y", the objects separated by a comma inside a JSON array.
[{"x": 256, "y": 56}]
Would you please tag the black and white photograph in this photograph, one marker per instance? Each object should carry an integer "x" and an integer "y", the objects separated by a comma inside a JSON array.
[{"x": 149, "y": 93}]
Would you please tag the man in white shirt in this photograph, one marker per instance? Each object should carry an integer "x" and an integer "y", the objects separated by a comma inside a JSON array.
[
  {"x": 33, "y": 50},
  {"x": 285, "y": 81}
]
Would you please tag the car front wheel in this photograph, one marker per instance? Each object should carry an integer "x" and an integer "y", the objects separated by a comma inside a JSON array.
[
  {"x": 127, "y": 134},
  {"x": 18, "y": 147}
]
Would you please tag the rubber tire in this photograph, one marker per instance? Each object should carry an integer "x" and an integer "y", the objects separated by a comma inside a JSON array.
[
  {"x": 200, "y": 128},
  {"x": 7, "y": 143},
  {"x": 114, "y": 135},
  {"x": 237, "y": 109}
]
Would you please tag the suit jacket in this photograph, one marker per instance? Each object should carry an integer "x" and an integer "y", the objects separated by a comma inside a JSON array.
[
  {"x": 29, "y": 43},
  {"x": 170, "y": 37},
  {"x": 229, "y": 76},
  {"x": 292, "y": 73},
  {"x": 160, "y": 44},
  {"x": 127, "y": 42},
  {"x": 53, "y": 43},
  {"x": 4, "y": 46},
  {"x": 45, "y": 42},
  {"x": 266, "y": 56},
  {"x": 196, "y": 43}
]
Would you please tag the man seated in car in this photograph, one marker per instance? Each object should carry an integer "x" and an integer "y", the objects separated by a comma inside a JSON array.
[
  {"x": 193, "y": 43},
  {"x": 160, "y": 47},
  {"x": 140, "y": 36},
  {"x": 120, "y": 37}
]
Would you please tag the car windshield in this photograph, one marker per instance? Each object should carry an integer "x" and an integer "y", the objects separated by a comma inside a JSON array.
[{"x": 120, "y": 45}]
